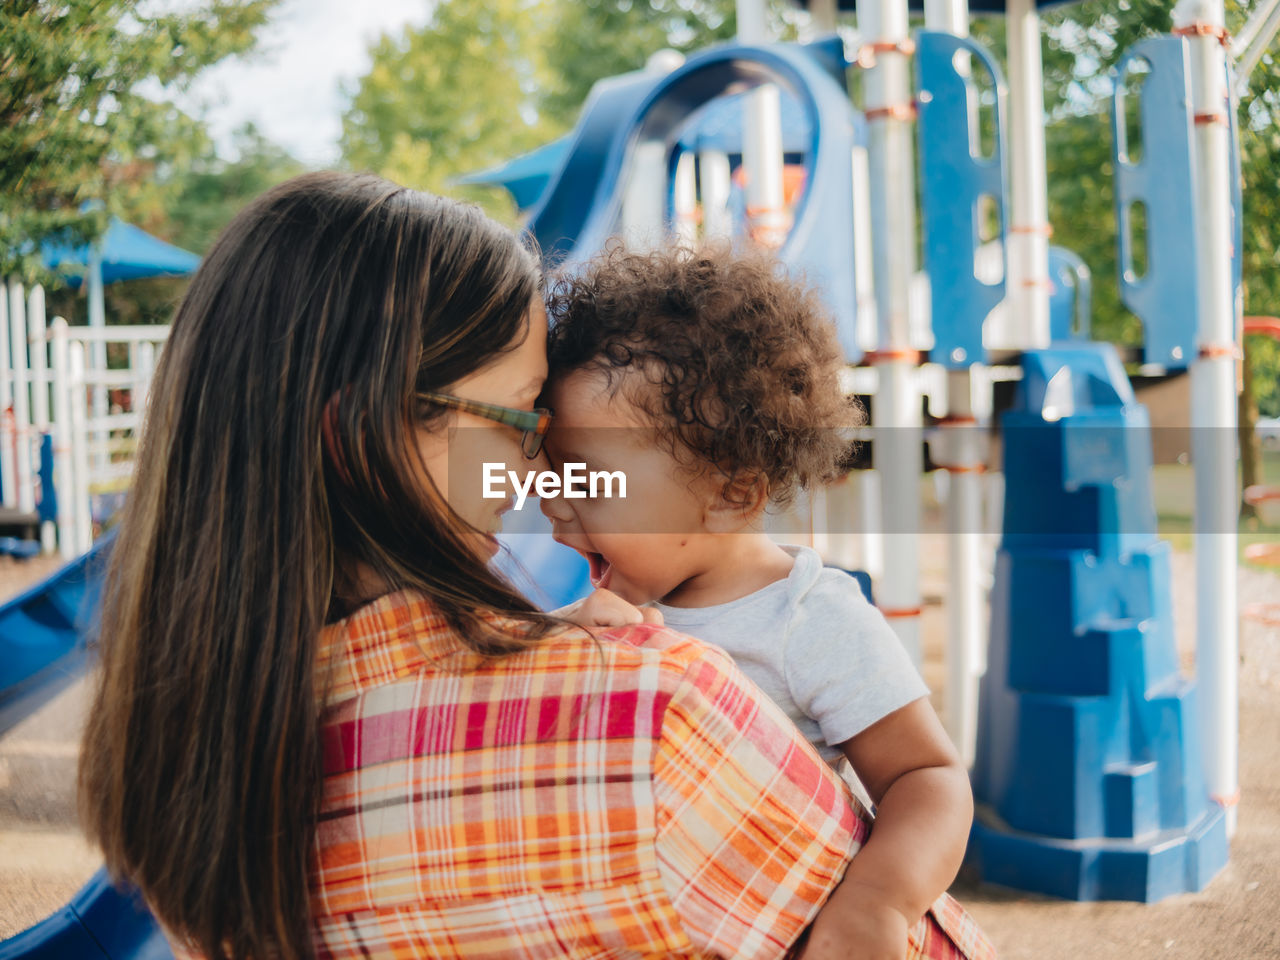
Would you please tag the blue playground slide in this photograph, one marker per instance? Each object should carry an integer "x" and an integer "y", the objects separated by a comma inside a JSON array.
[
  {"x": 581, "y": 207},
  {"x": 43, "y": 635}
]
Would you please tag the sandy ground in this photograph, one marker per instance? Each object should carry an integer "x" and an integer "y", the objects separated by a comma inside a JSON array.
[{"x": 44, "y": 860}]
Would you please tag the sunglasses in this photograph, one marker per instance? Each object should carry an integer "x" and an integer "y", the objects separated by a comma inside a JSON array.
[{"x": 533, "y": 424}]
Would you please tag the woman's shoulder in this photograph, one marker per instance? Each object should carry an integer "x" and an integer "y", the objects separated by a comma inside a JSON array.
[
  {"x": 641, "y": 645},
  {"x": 400, "y": 636}
]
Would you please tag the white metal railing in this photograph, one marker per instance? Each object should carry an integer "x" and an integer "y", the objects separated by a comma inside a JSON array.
[{"x": 49, "y": 386}]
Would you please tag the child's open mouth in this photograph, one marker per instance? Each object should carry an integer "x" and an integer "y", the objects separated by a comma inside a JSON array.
[{"x": 601, "y": 571}]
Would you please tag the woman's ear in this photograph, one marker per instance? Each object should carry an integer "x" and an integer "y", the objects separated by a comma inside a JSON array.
[{"x": 736, "y": 505}]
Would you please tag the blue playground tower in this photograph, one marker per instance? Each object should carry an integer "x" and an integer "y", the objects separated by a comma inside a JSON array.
[{"x": 1088, "y": 765}]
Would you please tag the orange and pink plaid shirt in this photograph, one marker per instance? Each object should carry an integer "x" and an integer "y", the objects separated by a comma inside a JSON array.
[{"x": 632, "y": 797}]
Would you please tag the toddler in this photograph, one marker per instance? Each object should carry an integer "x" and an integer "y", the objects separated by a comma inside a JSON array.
[{"x": 711, "y": 380}]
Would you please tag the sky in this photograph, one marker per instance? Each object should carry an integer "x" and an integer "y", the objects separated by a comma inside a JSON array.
[{"x": 290, "y": 85}]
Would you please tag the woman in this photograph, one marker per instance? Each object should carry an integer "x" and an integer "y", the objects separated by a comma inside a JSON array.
[{"x": 324, "y": 725}]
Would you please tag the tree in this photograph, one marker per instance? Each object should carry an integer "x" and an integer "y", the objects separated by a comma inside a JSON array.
[
  {"x": 75, "y": 125},
  {"x": 593, "y": 39},
  {"x": 199, "y": 202},
  {"x": 1082, "y": 43},
  {"x": 457, "y": 95},
  {"x": 484, "y": 81},
  {"x": 206, "y": 198}
]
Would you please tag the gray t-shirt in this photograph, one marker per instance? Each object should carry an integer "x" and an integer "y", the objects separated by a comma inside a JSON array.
[{"x": 815, "y": 645}]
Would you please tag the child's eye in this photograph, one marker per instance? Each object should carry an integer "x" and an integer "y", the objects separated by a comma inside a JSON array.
[{"x": 578, "y": 486}]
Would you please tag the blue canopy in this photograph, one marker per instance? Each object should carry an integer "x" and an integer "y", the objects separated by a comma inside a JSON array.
[{"x": 126, "y": 252}]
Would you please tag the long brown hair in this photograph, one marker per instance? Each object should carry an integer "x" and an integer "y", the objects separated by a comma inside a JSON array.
[{"x": 315, "y": 318}]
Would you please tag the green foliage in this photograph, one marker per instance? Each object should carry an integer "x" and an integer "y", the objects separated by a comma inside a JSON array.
[
  {"x": 1264, "y": 357},
  {"x": 1083, "y": 42},
  {"x": 457, "y": 95},
  {"x": 485, "y": 80},
  {"x": 206, "y": 198},
  {"x": 200, "y": 202},
  {"x": 592, "y": 39},
  {"x": 75, "y": 124}
]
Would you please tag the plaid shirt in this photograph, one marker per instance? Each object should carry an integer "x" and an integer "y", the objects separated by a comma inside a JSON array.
[{"x": 632, "y": 797}]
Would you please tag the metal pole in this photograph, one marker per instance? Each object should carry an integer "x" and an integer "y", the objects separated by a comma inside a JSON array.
[
  {"x": 767, "y": 216},
  {"x": 1213, "y": 410},
  {"x": 38, "y": 346},
  {"x": 644, "y": 201},
  {"x": 958, "y": 435},
  {"x": 896, "y": 409},
  {"x": 83, "y": 515},
  {"x": 23, "y": 481},
  {"x": 685, "y": 189},
  {"x": 146, "y": 371},
  {"x": 8, "y": 477},
  {"x": 951, "y": 16},
  {"x": 63, "y": 465},
  {"x": 1028, "y": 279},
  {"x": 961, "y": 439},
  {"x": 713, "y": 171}
]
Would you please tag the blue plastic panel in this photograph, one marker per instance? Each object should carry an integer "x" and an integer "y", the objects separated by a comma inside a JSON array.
[
  {"x": 43, "y": 634},
  {"x": 821, "y": 238},
  {"x": 1087, "y": 774},
  {"x": 557, "y": 221},
  {"x": 100, "y": 923},
  {"x": 1071, "y": 300},
  {"x": 1237, "y": 188},
  {"x": 1166, "y": 298},
  {"x": 953, "y": 178}
]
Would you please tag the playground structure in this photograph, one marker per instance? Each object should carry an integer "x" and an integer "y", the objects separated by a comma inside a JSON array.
[
  {"x": 1093, "y": 758},
  {"x": 67, "y": 448}
]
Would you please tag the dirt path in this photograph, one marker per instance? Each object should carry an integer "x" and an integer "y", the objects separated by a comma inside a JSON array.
[{"x": 43, "y": 860}]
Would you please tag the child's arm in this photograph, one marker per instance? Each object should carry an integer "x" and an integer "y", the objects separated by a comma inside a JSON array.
[
  {"x": 924, "y": 808},
  {"x": 602, "y": 609}
]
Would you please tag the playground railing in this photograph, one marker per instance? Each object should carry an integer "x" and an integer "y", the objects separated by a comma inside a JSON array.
[{"x": 97, "y": 422}]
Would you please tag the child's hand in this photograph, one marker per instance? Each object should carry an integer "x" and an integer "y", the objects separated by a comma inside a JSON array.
[
  {"x": 604, "y": 609},
  {"x": 867, "y": 928}
]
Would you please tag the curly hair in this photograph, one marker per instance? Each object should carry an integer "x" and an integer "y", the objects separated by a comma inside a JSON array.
[{"x": 739, "y": 363}]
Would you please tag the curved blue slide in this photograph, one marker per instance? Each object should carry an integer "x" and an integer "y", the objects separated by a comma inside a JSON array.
[
  {"x": 43, "y": 632},
  {"x": 43, "y": 635},
  {"x": 581, "y": 208}
]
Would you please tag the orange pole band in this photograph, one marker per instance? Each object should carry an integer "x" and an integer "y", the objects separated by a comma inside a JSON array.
[
  {"x": 901, "y": 613},
  {"x": 1228, "y": 800},
  {"x": 874, "y": 357},
  {"x": 1267, "y": 554},
  {"x": 1045, "y": 229},
  {"x": 1200, "y": 29},
  {"x": 1265, "y": 613},
  {"x": 1207, "y": 119},
  {"x": 1209, "y": 351},
  {"x": 963, "y": 468},
  {"x": 1260, "y": 493},
  {"x": 1266, "y": 326},
  {"x": 868, "y": 52},
  {"x": 895, "y": 111}
]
